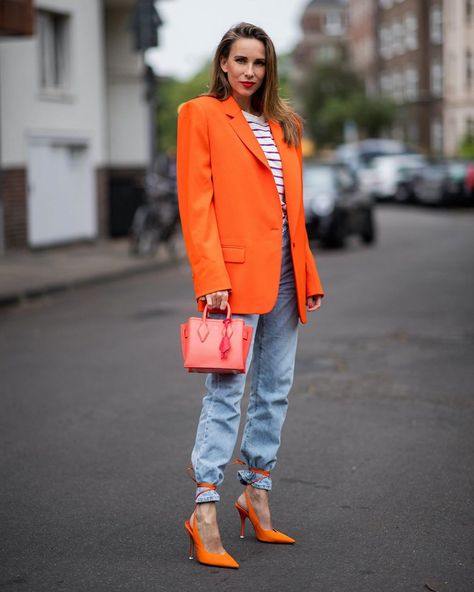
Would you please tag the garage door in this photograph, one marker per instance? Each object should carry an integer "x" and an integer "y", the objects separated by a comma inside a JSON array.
[{"x": 61, "y": 193}]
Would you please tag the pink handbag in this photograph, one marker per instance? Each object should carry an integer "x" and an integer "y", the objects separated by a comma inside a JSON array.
[{"x": 215, "y": 345}]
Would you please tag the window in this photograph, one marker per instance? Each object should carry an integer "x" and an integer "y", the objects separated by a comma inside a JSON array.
[
  {"x": 469, "y": 67},
  {"x": 436, "y": 136},
  {"x": 470, "y": 126},
  {"x": 385, "y": 43},
  {"x": 412, "y": 133},
  {"x": 386, "y": 3},
  {"x": 397, "y": 38},
  {"x": 469, "y": 9},
  {"x": 333, "y": 23},
  {"x": 436, "y": 25},
  {"x": 53, "y": 40},
  {"x": 411, "y": 84},
  {"x": 386, "y": 84},
  {"x": 436, "y": 79},
  {"x": 397, "y": 86},
  {"x": 411, "y": 31}
]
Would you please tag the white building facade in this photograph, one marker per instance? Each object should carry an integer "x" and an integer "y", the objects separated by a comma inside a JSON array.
[
  {"x": 72, "y": 115},
  {"x": 458, "y": 116}
]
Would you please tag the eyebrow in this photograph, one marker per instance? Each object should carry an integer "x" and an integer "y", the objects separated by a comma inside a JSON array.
[{"x": 246, "y": 57}]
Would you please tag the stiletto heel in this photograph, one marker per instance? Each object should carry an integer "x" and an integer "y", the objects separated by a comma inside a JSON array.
[
  {"x": 196, "y": 544},
  {"x": 265, "y": 536},
  {"x": 202, "y": 554},
  {"x": 243, "y": 515}
]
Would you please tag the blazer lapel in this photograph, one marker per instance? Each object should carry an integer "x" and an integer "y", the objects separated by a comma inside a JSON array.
[
  {"x": 289, "y": 158},
  {"x": 243, "y": 130}
]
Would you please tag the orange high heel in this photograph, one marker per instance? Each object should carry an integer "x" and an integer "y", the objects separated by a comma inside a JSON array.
[
  {"x": 195, "y": 543},
  {"x": 265, "y": 536}
]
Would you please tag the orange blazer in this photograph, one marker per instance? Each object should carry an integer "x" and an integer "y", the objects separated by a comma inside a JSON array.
[{"x": 230, "y": 209}]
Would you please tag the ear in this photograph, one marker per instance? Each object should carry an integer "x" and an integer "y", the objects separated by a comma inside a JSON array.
[{"x": 223, "y": 64}]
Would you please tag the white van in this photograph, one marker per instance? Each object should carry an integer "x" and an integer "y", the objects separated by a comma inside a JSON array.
[{"x": 384, "y": 175}]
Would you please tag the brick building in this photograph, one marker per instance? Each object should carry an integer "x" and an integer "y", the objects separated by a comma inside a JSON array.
[
  {"x": 324, "y": 26},
  {"x": 420, "y": 53},
  {"x": 362, "y": 40},
  {"x": 410, "y": 68}
]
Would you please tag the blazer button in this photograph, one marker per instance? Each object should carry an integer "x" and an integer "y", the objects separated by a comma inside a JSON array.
[{"x": 294, "y": 245}]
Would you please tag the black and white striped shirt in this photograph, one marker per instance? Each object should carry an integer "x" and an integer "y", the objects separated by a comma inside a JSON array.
[{"x": 263, "y": 133}]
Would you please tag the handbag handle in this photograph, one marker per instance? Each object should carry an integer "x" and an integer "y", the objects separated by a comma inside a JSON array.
[{"x": 206, "y": 312}]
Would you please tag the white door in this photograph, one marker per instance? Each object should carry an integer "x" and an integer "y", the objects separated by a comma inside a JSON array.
[{"x": 61, "y": 193}]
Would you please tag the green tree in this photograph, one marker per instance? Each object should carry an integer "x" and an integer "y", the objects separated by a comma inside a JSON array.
[
  {"x": 466, "y": 147},
  {"x": 372, "y": 114},
  {"x": 172, "y": 93},
  {"x": 329, "y": 82},
  {"x": 333, "y": 95}
]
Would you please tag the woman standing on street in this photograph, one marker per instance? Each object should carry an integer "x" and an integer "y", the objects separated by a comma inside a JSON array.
[{"x": 239, "y": 166}]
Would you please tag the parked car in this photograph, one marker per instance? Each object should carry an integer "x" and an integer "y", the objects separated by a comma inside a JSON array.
[
  {"x": 445, "y": 183},
  {"x": 391, "y": 176},
  {"x": 335, "y": 207},
  {"x": 358, "y": 155}
]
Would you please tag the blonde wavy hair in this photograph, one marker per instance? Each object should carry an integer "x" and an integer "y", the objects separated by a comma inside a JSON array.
[{"x": 266, "y": 100}]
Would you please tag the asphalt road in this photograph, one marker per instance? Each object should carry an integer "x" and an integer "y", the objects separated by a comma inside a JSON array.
[{"x": 375, "y": 474}]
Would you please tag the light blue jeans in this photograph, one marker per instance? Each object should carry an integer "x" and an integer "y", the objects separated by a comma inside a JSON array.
[{"x": 271, "y": 362}]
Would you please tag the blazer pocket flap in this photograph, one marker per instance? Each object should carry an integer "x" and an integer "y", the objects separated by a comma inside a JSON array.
[{"x": 234, "y": 254}]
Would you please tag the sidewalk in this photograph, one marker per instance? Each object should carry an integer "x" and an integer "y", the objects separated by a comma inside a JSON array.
[{"x": 25, "y": 275}]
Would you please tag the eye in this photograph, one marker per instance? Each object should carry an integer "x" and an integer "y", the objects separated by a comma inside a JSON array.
[
  {"x": 260, "y": 62},
  {"x": 240, "y": 60}
]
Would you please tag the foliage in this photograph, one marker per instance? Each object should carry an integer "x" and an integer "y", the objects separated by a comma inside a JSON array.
[
  {"x": 372, "y": 114},
  {"x": 172, "y": 93},
  {"x": 466, "y": 147},
  {"x": 334, "y": 95},
  {"x": 284, "y": 67}
]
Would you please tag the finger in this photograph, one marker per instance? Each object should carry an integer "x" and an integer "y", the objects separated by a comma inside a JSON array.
[{"x": 224, "y": 300}]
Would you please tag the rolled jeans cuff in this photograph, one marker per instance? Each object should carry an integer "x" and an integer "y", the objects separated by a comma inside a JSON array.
[
  {"x": 254, "y": 479},
  {"x": 207, "y": 495}
]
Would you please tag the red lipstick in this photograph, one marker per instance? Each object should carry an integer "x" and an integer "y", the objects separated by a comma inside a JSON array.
[{"x": 248, "y": 84}]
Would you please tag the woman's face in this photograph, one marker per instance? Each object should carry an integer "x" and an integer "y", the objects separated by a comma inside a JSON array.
[{"x": 245, "y": 68}]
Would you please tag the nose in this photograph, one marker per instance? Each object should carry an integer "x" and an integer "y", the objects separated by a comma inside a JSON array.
[{"x": 249, "y": 71}]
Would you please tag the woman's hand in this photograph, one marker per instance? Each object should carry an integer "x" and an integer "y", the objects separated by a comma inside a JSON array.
[
  {"x": 216, "y": 300},
  {"x": 313, "y": 302}
]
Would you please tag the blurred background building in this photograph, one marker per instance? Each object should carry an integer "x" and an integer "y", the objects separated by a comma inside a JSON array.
[
  {"x": 425, "y": 51},
  {"x": 73, "y": 120},
  {"x": 324, "y": 24},
  {"x": 362, "y": 37},
  {"x": 419, "y": 53}
]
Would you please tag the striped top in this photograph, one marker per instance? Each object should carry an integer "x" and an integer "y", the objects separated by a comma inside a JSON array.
[{"x": 263, "y": 133}]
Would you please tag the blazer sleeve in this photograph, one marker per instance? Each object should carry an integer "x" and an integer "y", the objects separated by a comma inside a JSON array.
[
  {"x": 314, "y": 286},
  {"x": 196, "y": 205}
]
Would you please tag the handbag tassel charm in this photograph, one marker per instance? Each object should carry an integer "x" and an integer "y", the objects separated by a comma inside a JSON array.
[{"x": 224, "y": 346}]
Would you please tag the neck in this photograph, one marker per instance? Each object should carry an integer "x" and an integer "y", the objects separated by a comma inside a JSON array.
[{"x": 245, "y": 104}]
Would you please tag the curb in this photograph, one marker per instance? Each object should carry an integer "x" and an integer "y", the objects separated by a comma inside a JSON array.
[{"x": 10, "y": 300}]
